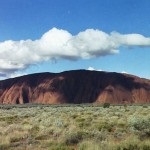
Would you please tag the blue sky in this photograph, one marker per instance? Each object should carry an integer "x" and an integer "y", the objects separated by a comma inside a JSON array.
[{"x": 23, "y": 23}]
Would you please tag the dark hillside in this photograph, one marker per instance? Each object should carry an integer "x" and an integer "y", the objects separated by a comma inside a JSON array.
[{"x": 78, "y": 86}]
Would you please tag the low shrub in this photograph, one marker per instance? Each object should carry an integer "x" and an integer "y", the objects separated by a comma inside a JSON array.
[
  {"x": 73, "y": 138},
  {"x": 106, "y": 105}
]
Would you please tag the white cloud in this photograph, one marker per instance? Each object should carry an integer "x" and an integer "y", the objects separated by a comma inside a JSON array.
[
  {"x": 131, "y": 39},
  {"x": 124, "y": 72},
  {"x": 93, "y": 69},
  {"x": 11, "y": 75},
  {"x": 16, "y": 74},
  {"x": 60, "y": 44}
]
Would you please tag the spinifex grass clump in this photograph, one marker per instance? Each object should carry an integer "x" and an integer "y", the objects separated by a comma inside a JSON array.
[{"x": 83, "y": 127}]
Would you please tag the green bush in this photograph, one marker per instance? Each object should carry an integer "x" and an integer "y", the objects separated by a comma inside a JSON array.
[
  {"x": 142, "y": 125},
  {"x": 76, "y": 137},
  {"x": 106, "y": 105}
]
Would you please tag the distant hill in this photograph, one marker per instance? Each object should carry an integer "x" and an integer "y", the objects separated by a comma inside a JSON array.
[{"x": 77, "y": 86}]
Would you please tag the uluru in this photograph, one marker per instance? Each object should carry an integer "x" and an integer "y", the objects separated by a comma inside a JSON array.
[{"x": 76, "y": 87}]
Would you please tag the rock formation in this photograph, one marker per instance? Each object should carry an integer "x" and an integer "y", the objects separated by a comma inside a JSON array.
[{"x": 78, "y": 86}]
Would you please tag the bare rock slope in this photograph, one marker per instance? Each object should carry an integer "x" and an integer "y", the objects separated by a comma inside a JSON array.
[{"x": 78, "y": 86}]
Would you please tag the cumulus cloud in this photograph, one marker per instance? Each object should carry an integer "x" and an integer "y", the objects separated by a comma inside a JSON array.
[
  {"x": 93, "y": 69},
  {"x": 131, "y": 39},
  {"x": 90, "y": 68},
  {"x": 124, "y": 72},
  {"x": 60, "y": 44}
]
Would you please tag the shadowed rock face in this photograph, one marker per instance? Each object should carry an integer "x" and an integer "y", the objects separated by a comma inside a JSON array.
[{"x": 80, "y": 86}]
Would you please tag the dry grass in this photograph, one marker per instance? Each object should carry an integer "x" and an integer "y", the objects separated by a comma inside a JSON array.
[{"x": 75, "y": 127}]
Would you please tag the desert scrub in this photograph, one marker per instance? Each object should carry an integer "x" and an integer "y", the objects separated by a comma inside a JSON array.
[
  {"x": 74, "y": 126},
  {"x": 140, "y": 125}
]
